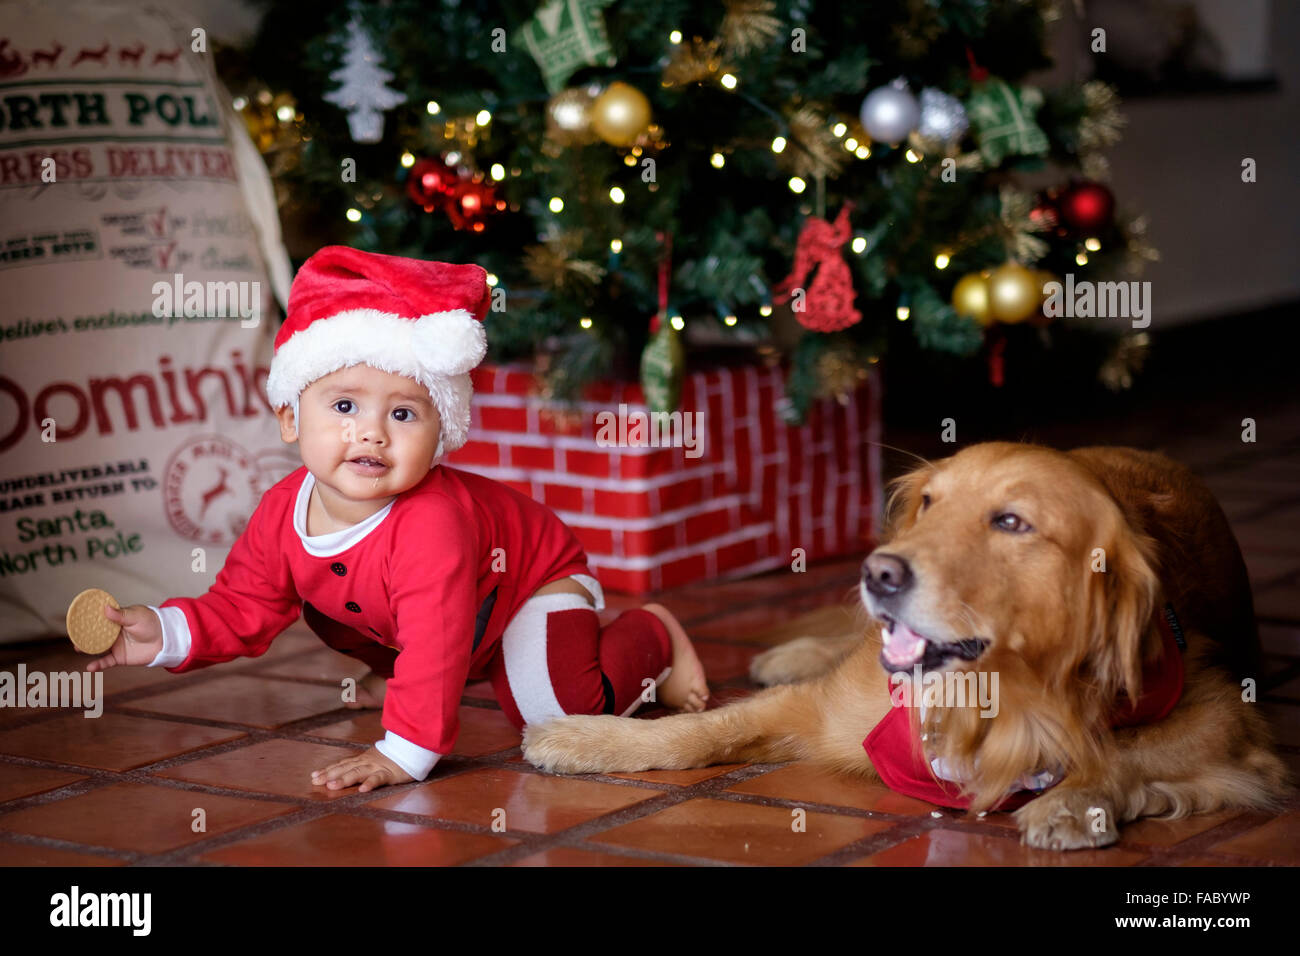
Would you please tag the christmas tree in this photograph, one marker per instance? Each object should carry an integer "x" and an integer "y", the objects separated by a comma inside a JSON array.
[{"x": 649, "y": 181}]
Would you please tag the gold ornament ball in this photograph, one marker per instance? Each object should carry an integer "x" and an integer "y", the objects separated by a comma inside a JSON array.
[
  {"x": 970, "y": 297},
  {"x": 1014, "y": 293},
  {"x": 620, "y": 114}
]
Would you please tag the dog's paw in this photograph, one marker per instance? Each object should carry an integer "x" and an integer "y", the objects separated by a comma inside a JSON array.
[
  {"x": 576, "y": 744},
  {"x": 1068, "y": 820},
  {"x": 793, "y": 661}
]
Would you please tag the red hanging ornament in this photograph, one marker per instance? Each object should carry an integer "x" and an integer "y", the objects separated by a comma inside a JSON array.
[
  {"x": 665, "y": 274},
  {"x": 997, "y": 362},
  {"x": 1086, "y": 206},
  {"x": 471, "y": 202},
  {"x": 1044, "y": 215},
  {"x": 429, "y": 182},
  {"x": 827, "y": 305}
]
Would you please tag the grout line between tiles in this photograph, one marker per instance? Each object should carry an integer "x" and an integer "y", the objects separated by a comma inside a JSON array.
[
  {"x": 617, "y": 818},
  {"x": 777, "y": 598},
  {"x": 876, "y": 842},
  {"x": 1267, "y": 508},
  {"x": 27, "y": 839},
  {"x": 649, "y": 856},
  {"x": 1276, "y": 680},
  {"x": 831, "y": 809},
  {"x": 1200, "y": 844},
  {"x": 189, "y": 853},
  {"x": 1238, "y": 459}
]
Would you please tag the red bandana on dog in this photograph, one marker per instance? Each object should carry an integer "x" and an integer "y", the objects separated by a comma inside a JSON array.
[{"x": 897, "y": 756}]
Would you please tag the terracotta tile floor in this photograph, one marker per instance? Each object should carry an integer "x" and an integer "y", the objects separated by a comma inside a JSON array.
[{"x": 232, "y": 746}]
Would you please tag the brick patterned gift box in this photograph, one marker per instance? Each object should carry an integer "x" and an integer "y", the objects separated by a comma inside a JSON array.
[{"x": 741, "y": 500}]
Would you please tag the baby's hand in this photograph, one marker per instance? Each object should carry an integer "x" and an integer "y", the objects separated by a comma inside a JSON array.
[
  {"x": 371, "y": 768},
  {"x": 138, "y": 643}
]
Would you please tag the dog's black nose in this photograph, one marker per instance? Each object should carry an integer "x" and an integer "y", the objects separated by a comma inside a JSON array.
[{"x": 886, "y": 575}]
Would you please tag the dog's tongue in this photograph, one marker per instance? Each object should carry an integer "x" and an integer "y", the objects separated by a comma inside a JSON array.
[{"x": 903, "y": 646}]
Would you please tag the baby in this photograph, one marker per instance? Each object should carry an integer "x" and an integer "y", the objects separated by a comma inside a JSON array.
[{"x": 431, "y": 576}]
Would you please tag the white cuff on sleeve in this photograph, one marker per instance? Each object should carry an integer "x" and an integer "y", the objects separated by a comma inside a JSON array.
[
  {"x": 412, "y": 758},
  {"x": 176, "y": 637}
]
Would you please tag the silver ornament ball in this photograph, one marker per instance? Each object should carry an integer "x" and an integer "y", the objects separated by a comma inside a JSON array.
[
  {"x": 943, "y": 118},
  {"x": 889, "y": 113}
]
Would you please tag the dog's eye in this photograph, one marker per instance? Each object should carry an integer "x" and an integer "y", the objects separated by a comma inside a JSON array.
[
  {"x": 1010, "y": 522},
  {"x": 925, "y": 502}
]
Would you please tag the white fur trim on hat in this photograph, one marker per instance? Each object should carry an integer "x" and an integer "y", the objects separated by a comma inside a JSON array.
[{"x": 437, "y": 350}]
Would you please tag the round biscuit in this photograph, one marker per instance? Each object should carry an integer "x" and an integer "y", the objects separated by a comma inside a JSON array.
[{"x": 91, "y": 632}]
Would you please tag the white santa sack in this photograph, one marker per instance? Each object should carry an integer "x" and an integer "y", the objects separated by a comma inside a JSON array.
[{"x": 138, "y": 253}]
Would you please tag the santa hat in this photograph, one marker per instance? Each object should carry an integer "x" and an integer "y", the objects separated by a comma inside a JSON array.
[{"x": 405, "y": 316}]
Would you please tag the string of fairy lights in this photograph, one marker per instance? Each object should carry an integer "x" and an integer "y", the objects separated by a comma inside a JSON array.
[{"x": 463, "y": 133}]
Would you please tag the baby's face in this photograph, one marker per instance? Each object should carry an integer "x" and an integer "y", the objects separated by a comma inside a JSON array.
[{"x": 366, "y": 434}]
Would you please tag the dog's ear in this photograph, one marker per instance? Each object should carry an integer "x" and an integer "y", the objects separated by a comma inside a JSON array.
[
  {"x": 1123, "y": 599},
  {"x": 905, "y": 499}
]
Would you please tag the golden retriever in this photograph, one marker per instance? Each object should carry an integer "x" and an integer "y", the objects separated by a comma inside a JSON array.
[{"x": 1049, "y": 573}]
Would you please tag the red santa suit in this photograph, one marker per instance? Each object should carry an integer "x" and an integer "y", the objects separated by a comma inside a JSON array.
[
  {"x": 437, "y": 587},
  {"x": 423, "y": 591}
]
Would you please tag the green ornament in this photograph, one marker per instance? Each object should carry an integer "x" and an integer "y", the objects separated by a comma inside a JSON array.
[
  {"x": 1004, "y": 120},
  {"x": 662, "y": 369},
  {"x": 566, "y": 35}
]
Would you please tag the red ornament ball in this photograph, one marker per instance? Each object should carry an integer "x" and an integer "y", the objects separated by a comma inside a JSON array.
[
  {"x": 429, "y": 183},
  {"x": 471, "y": 202},
  {"x": 1044, "y": 215},
  {"x": 1086, "y": 206}
]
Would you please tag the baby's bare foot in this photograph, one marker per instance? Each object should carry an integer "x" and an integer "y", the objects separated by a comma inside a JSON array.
[
  {"x": 370, "y": 693},
  {"x": 686, "y": 687}
]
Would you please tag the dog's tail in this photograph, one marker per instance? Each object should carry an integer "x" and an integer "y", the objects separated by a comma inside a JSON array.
[{"x": 772, "y": 726}]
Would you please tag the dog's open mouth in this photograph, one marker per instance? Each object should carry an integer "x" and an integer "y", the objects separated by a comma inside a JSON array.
[{"x": 904, "y": 649}]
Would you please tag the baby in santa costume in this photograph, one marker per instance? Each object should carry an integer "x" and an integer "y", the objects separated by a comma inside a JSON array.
[{"x": 430, "y": 575}]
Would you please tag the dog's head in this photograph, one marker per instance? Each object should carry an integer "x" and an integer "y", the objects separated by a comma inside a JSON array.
[{"x": 1015, "y": 560}]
